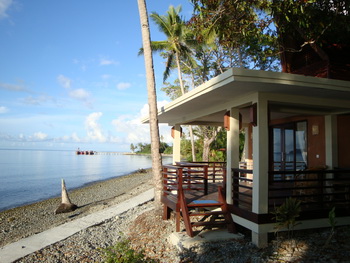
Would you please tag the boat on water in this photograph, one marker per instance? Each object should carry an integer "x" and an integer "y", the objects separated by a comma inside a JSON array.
[{"x": 79, "y": 152}]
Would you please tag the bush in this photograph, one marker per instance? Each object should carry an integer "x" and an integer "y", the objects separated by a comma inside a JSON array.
[
  {"x": 123, "y": 253},
  {"x": 286, "y": 215}
]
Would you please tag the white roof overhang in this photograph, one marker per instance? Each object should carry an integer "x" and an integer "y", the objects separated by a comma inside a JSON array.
[{"x": 207, "y": 103}]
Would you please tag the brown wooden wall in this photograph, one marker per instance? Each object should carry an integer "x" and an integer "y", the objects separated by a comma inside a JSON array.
[
  {"x": 316, "y": 142},
  {"x": 344, "y": 141}
]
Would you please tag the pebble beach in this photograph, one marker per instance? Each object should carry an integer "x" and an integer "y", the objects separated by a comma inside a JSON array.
[{"x": 30, "y": 219}]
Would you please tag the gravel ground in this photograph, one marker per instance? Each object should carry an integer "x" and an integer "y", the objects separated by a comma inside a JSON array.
[
  {"x": 148, "y": 232},
  {"x": 88, "y": 245}
]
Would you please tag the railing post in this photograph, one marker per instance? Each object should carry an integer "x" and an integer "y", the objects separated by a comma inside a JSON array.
[
  {"x": 235, "y": 175},
  {"x": 224, "y": 180},
  {"x": 179, "y": 179},
  {"x": 165, "y": 176},
  {"x": 214, "y": 171},
  {"x": 205, "y": 170}
]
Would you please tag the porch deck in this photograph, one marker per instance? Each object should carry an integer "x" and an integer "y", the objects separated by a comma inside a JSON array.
[
  {"x": 188, "y": 188},
  {"x": 195, "y": 190}
]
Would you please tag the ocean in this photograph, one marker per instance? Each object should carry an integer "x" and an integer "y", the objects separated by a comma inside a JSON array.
[{"x": 28, "y": 176}]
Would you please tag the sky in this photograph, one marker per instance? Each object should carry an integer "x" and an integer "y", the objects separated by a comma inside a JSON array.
[{"x": 70, "y": 75}]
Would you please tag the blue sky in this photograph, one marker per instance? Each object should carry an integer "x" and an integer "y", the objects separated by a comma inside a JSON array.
[{"x": 70, "y": 75}]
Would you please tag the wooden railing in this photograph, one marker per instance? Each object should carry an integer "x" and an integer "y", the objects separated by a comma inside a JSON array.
[
  {"x": 184, "y": 177},
  {"x": 172, "y": 178},
  {"x": 288, "y": 166},
  {"x": 316, "y": 189},
  {"x": 242, "y": 188},
  {"x": 216, "y": 171}
]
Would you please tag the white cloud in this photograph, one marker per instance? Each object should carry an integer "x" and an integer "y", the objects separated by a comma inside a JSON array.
[
  {"x": 75, "y": 137},
  {"x": 4, "y": 6},
  {"x": 40, "y": 136},
  {"x": 123, "y": 85},
  {"x": 93, "y": 129},
  {"x": 107, "y": 62},
  {"x": 12, "y": 87},
  {"x": 3, "y": 109},
  {"x": 106, "y": 76},
  {"x": 37, "y": 136},
  {"x": 69, "y": 138},
  {"x": 135, "y": 131},
  {"x": 125, "y": 130},
  {"x": 79, "y": 94},
  {"x": 64, "y": 81},
  {"x": 132, "y": 128},
  {"x": 37, "y": 100},
  {"x": 145, "y": 109},
  {"x": 83, "y": 64},
  {"x": 82, "y": 95}
]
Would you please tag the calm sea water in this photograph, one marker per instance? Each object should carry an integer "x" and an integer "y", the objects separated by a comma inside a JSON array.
[{"x": 28, "y": 176}]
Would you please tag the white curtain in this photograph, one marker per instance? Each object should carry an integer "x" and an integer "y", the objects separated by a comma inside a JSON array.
[{"x": 301, "y": 137}]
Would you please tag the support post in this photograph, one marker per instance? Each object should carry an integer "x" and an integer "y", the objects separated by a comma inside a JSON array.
[
  {"x": 260, "y": 239},
  {"x": 177, "y": 144},
  {"x": 331, "y": 141},
  {"x": 232, "y": 151},
  {"x": 260, "y": 167},
  {"x": 331, "y": 137},
  {"x": 260, "y": 160}
]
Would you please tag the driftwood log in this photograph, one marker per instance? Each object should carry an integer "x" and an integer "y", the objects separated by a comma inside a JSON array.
[{"x": 66, "y": 205}]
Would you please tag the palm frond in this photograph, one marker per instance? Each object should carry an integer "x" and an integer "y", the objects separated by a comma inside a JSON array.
[
  {"x": 156, "y": 46},
  {"x": 168, "y": 66},
  {"x": 162, "y": 24}
]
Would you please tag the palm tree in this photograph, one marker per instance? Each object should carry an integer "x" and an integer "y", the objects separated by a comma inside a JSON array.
[
  {"x": 152, "y": 102},
  {"x": 178, "y": 43}
]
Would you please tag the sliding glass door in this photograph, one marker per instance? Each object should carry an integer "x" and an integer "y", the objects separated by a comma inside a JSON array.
[{"x": 289, "y": 148}]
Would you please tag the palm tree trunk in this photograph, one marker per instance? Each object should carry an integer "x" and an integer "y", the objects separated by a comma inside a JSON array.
[
  {"x": 152, "y": 102},
  {"x": 206, "y": 150},
  {"x": 207, "y": 141},
  {"x": 193, "y": 147},
  {"x": 192, "y": 144},
  {"x": 179, "y": 73}
]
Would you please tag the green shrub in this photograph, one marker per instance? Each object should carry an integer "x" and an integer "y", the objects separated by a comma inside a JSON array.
[
  {"x": 333, "y": 223},
  {"x": 123, "y": 253},
  {"x": 286, "y": 215}
]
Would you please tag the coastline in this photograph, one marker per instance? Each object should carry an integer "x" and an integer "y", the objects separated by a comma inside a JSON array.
[
  {"x": 23, "y": 221},
  {"x": 72, "y": 189}
]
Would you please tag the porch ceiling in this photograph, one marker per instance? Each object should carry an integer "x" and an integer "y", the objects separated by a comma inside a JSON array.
[{"x": 202, "y": 104}]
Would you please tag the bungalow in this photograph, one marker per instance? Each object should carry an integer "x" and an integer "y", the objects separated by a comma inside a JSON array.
[{"x": 297, "y": 133}]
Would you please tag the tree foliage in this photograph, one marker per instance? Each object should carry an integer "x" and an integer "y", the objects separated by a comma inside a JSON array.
[
  {"x": 145, "y": 148},
  {"x": 320, "y": 22},
  {"x": 178, "y": 43},
  {"x": 244, "y": 34},
  {"x": 259, "y": 30}
]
